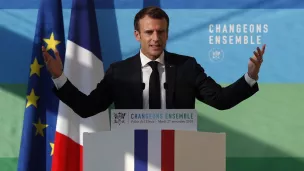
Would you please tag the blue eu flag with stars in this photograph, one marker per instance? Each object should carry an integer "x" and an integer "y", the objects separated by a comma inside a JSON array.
[{"x": 41, "y": 107}]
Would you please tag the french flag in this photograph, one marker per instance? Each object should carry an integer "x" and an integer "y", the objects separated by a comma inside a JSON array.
[{"x": 83, "y": 66}]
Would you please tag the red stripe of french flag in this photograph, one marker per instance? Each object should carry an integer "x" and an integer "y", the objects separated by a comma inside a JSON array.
[
  {"x": 167, "y": 150},
  {"x": 68, "y": 156}
]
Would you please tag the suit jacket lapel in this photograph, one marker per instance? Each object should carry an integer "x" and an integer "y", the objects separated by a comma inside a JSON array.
[
  {"x": 136, "y": 77},
  {"x": 170, "y": 80}
]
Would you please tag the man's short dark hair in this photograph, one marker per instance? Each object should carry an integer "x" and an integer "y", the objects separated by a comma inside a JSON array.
[{"x": 153, "y": 12}]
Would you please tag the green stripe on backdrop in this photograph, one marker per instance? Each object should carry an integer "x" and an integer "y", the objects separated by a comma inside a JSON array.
[
  {"x": 264, "y": 164},
  {"x": 232, "y": 164},
  {"x": 8, "y": 164},
  {"x": 12, "y": 103},
  {"x": 263, "y": 132},
  {"x": 269, "y": 124}
]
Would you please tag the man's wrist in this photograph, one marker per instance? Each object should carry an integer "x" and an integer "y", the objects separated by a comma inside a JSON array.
[
  {"x": 249, "y": 80},
  {"x": 60, "y": 81},
  {"x": 254, "y": 77},
  {"x": 57, "y": 75}
]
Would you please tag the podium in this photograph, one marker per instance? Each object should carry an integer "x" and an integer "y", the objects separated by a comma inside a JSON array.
[{"x": 154, "y": 140}]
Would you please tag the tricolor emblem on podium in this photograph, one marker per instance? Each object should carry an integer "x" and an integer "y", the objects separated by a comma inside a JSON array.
[{"x": 154, "y": 150}]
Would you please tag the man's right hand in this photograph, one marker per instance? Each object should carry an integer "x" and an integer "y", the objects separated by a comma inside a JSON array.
[{"x": 54, "y": 66}]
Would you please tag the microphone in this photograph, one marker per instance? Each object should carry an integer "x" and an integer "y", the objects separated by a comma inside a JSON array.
[
  {"x": 143, "y": 85},
  {"x": 166, "y": 86}
]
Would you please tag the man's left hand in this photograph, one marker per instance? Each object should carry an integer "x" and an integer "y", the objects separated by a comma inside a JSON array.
[{"x": 255, "y": 63}]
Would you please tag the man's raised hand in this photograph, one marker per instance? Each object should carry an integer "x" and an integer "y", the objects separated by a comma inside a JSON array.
[
  {"x": 255, "y": 63},
  {"x": 54, "y": 65}
]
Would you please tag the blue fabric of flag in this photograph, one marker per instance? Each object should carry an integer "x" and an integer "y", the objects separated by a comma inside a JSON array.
[
  {"x": 83, "y": 29},
  {"x": 40, "y": 114},
  {"x": 141, "y": 150}
]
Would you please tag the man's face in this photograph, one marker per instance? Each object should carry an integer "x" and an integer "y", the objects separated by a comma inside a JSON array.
[{"x": 152, "y": 35}]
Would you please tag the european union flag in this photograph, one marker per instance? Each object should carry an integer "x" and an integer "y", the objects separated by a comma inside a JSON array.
[{"x": 40, "y": 115}]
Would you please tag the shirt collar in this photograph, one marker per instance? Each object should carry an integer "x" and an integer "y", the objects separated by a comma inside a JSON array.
[{"x": 145, "y": 60}]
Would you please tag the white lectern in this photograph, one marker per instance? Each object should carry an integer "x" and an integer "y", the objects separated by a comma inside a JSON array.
[{"x": 173, "y": 144}]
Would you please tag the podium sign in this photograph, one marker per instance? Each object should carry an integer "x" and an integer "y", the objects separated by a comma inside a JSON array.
[{"x": 154, "y": 119}]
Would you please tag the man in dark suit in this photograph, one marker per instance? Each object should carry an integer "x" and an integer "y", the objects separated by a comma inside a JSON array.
[{"x": 154, "y": 78}]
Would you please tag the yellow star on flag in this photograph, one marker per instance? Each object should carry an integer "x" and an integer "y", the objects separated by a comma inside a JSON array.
[
  {"x": 35, "y": 68},
  {"x": 39, "y": 127},
  {"x": 52, "y": 146},
  {"x": 32, "y": 99},
  {"x": 52, "y": 43}
]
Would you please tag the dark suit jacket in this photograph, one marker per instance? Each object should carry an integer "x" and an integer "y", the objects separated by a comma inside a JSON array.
[{"x": 185, "y": 81}]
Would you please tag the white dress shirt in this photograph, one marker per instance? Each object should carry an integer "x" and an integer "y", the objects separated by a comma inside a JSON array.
[{"x": 146, "y": 72}]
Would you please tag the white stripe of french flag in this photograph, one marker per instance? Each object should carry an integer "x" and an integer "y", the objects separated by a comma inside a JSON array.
[{"x": 83, "y": 66}]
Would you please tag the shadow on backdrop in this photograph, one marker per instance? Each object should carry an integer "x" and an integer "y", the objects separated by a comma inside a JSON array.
[
  {"x": 151, "y": 3},
  {"x": 108, "y": 33},
  {"x": 175, "y": 4},
  {"x": 14, "y": 60}
]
